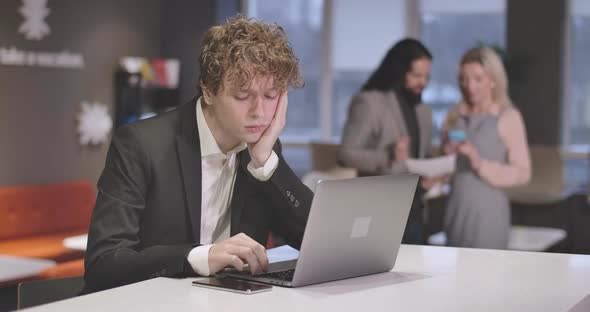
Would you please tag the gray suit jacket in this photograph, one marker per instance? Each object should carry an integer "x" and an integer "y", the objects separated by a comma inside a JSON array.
[{"x": 375, "y": 122}]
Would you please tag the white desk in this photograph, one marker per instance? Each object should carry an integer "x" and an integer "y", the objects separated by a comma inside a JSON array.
[
  {"x": 425, "y": 278},
  {"x": 14, "y": 268},
  {"x": 524, "y": 238}
]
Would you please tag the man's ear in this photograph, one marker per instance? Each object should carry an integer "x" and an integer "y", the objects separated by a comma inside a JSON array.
[{"x": 206, "y": 93}]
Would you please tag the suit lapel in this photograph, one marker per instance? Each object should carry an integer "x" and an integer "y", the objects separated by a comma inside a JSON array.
[
  {"x": 393, "y": 103},
  {"x": 189, "y": 154}
]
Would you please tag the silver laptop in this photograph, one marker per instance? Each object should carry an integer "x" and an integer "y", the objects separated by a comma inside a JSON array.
[{"x": 354, "y": 228}]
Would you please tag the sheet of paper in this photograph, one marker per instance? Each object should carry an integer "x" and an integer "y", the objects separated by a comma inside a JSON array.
[
  {"x": 432, "y": 167},
  {"x": 282, "y": 253}
]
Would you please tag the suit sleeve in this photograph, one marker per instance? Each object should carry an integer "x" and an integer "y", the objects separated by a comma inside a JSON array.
[
  {"x": 289, "y": 201},
  {"x": 360, "y": 126},
  {"x": 115, "y": 255}
]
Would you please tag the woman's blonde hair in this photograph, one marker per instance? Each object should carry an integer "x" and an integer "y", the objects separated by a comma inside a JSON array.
[
  {"x": 243, "y": 48},
  {"x": 492, "y": 64}
]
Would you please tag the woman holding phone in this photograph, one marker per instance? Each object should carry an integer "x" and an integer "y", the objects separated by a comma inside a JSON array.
[{"x": 488, "y": 135}]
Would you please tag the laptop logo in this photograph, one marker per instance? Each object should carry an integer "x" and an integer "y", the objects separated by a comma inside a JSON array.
[{"x": 360, "y": 227}]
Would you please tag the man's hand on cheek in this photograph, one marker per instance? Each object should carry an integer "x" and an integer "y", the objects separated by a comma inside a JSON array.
[{"x": 261, "y": 150}]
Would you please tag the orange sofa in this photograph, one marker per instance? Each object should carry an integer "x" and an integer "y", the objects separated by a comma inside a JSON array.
[{"x": 34, "y": 220}]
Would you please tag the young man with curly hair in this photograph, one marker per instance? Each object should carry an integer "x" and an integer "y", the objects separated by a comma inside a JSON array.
[{"x": 199, "y": 188}]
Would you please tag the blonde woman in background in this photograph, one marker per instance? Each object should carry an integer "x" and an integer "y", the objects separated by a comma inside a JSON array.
[{"x": 489, "y": 137}]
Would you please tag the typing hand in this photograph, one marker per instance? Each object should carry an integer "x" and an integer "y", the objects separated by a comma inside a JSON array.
[
  {"x": 236, "y": 251},
  {"x": 262, "y": 149}
]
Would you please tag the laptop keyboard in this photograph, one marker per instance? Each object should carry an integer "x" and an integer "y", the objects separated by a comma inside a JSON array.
[{"x": 281, "y": 275}]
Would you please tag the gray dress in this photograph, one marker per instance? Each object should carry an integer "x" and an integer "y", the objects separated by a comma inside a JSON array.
[{"x": 478, "y": 214}]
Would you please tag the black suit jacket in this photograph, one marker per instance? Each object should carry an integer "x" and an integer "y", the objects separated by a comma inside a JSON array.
[{"x": 148, "y": 210}]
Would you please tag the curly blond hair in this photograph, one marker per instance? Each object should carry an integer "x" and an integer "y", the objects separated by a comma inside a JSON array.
[{"x": 244, "y": 48}]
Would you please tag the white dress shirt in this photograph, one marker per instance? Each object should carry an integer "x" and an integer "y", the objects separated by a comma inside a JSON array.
[{"x": 218, "y": 177}]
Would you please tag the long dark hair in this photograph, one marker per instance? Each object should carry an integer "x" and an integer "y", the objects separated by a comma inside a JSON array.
[{"x": 390, "y": 75}]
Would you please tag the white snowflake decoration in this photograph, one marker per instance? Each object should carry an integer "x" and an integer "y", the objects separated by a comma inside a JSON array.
[
  {"x": 94, "y": 123},
  {"x": 34, "y": 12}
]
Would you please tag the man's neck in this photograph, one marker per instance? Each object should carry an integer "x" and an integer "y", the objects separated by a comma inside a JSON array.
[{"x": 224, "y": 141}]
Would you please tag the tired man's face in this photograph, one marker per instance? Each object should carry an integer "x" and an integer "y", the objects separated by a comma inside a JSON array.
[{"x": 241, "y": 114}]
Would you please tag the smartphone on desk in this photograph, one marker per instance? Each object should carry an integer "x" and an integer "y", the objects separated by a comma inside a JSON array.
[{"x": 233, "y": 285}]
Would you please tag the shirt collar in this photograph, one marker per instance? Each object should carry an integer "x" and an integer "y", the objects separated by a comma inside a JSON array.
[{"x": 208, "y": 144}]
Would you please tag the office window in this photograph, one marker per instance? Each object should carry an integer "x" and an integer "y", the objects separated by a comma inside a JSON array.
[
  {"x": 449, "y": 28},
  {"x": 577, "y": 117},
  {"x": 302, "y": 20},
  {"x": 361, "y": 35},
  {"x": 353, "y": 37}
]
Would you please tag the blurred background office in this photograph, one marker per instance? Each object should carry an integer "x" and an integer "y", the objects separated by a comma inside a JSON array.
[{"x": 71, "y": 71}]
